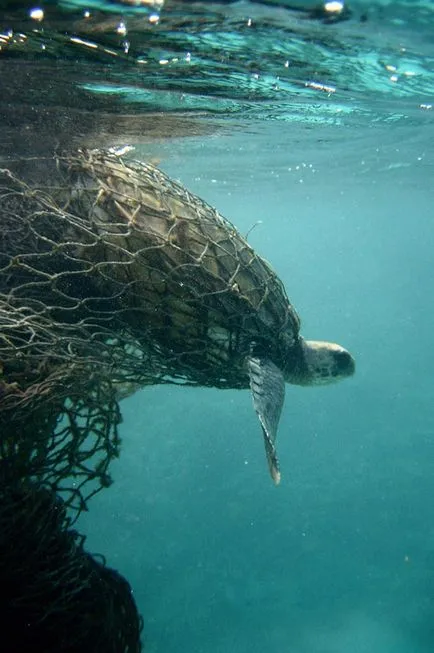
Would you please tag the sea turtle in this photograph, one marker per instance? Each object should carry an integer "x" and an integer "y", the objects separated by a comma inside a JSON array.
[{"x": 191, "y": 289}]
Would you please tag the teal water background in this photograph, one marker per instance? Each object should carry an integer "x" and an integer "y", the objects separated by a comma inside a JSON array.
[{"x": 340, "y": 557}]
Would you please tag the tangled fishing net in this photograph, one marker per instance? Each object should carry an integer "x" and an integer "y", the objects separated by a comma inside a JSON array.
[
  {"x": 112, "y": 276},
  {"x": 67, "y": 355}
]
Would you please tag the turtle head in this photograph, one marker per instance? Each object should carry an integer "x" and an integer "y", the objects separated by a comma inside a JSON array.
[{"x": 321, "y": 363}]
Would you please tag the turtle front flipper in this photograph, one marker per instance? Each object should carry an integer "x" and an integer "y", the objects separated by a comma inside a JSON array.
[{"x": 268, "y": 390}]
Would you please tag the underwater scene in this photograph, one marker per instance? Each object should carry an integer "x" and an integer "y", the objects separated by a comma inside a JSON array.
[{"x": 310, "y": 127}]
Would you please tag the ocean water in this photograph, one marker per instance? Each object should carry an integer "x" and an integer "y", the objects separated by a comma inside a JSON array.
[{"x": 314, "y": 136}]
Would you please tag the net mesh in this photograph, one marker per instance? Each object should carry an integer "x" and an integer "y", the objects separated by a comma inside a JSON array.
[{"x": 112, "y": 277}]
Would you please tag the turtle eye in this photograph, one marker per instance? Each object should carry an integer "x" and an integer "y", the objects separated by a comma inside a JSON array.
[{"x": 344, "y": 362}]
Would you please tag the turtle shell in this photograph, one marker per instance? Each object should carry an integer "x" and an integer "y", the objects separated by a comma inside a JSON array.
[{"x": 189, "y": 285}]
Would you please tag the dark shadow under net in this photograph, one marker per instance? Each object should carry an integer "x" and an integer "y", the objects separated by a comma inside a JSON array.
[{"x": 55, "y": 597}]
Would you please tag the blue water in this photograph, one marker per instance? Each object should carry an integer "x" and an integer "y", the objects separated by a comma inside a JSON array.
[
  {"x": 339, "y": 557},
  {"x": 335, "y": 190}
]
